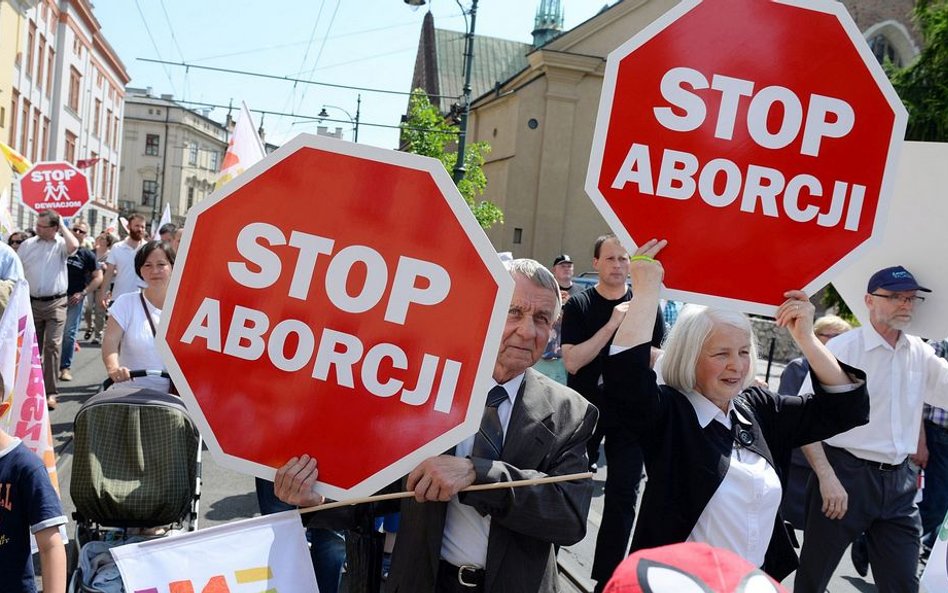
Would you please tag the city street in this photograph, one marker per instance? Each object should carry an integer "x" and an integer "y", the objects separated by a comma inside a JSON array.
[{"x": 229, "y": 496}]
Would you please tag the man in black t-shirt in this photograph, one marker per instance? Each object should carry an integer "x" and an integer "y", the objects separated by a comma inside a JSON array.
[
  {"x": 84, "y": 277},
  {"x": 590, "y": 320}
]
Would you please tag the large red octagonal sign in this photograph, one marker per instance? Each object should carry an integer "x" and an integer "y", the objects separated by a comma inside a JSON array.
[
  {"x": 759, "y": 136},
  {"x": 55, "y": 186},
  {"x": 337, "y": 300}
]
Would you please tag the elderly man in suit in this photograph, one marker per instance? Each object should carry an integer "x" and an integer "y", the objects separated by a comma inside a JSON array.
[{"x": 499, "y": 540}]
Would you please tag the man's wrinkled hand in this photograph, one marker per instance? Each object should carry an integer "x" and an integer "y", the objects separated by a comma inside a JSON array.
[
  {"x": 440, "y": 478},
  {"x": 835, "y": 497},
  {"x": 294, "y": 482}
]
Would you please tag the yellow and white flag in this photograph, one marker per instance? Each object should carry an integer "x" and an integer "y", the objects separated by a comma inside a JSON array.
[
  {"x": 243, "y": 150},
  {"x": 23, "y": 410},
  {"x": 6, "y": 215},
  {"x": 267, "y": 553},
  {"x": 18, "y": 162}
]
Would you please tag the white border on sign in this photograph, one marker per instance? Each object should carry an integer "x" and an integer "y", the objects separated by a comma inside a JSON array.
[
  {"x": 485, "y": 366},
  {"x": 888, "y": 179},
  {"x": 68, "y": 164},
  {"x": 913, "y": 238}
]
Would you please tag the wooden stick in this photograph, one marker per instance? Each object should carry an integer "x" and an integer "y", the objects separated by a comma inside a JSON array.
[{"x": 474, "y": 488}]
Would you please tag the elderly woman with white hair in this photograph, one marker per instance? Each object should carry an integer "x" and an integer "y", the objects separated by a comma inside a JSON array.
[{"x": 714, "y": 442}]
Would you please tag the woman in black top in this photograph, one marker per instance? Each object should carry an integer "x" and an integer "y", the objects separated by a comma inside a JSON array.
[{"x": 713, "y": 443}]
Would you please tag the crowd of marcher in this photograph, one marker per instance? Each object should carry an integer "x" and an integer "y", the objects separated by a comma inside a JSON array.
[{"x": 658, "y": 388}]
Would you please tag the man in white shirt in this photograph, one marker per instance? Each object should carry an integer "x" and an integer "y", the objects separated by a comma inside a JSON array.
[
  {"x": 865, "y": 483},
  {"x": 44, "y": 265},
  {"x": 120, "y": 264}
]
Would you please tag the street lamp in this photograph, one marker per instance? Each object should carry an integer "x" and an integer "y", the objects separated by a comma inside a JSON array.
[
  {"x": 353, "y": 120},
  {"x": 459, "y": 169}
]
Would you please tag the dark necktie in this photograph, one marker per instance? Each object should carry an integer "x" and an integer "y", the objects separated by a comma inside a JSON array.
[{"x": 489, "y": 441}]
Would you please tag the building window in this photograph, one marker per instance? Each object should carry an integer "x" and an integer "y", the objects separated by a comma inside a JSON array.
[
  {"x": 50, "y": 57},
  {"x": 151, "y": 144},
  {"x": 99, "y": 78},
  {"x": 215, "y": 160},
  {"x": 149, "y": 192},
  {"x": 14, "y": 109},
  {"x": 518, "y": 236},
  {"x": 74, "y": 81},
  {"x": 193, "y": 153},
  {"x": 25, "y": 130},
  {"x": 70, "y": 147},
  {"x": 45, "y": 138},
  {"x": 108, "y": 127},
  {"x": 190, "y": 197},
  {"x": 94, "y": 174},
  {"x": 30, "y": 40},
  {"x": 97, "y": 117},
  {"x": 36, "y": 134},
  {"x": 108, "y": 198},
  {"x": 40, "y": 57}
]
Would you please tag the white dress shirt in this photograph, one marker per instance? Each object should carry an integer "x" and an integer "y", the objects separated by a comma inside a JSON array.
[
  {"x": 465, "y": 531},
  {"x": 899, "y": 380},
  {"x": 740, "y": 515},
  {"x": 44, "y": 265}
]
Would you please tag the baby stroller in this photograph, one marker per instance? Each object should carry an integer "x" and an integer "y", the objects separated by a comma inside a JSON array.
[{"x": 136, "y": 475}]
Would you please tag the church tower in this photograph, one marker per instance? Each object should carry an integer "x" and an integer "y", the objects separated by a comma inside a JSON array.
[{"x": 548, "y": 23}]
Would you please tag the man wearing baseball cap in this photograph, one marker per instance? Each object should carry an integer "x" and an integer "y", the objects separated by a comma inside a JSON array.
[
  {"x": 563, "y": 272},
  {"x": 865, "y": 483}
]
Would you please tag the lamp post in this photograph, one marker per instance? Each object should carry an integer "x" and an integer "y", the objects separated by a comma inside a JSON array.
[
  {"x": 353, "y": 120},
  {"x": 459, "y": 169}
]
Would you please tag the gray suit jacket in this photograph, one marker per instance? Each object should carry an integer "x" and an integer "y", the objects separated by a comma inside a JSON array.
[{"x": 547, "y": 435}]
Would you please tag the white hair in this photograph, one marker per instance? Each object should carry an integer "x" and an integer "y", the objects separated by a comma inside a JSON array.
[
  {"x": 538, "y": 274},
  {"x": 687, "y": 337}
]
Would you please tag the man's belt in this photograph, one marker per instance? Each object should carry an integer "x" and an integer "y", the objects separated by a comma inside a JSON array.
[
  {"x": 48, "y": 298},
  {"x": 884, "y": 467},
  {"x": 468, "y": 576}
]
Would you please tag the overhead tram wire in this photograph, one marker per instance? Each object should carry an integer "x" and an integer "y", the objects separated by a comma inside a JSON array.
[
  {"x": 174, "y": 39},
  {"x": 288, "y": 104},
  {"x": 155, "y": 46},
  {"x": 309, "y": 118},
  {"x": 289, "y": 79},
  {"x": 319, "y": 54}
]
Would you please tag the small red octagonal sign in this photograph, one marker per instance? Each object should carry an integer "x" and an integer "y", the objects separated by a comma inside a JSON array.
[
  {"x": 337, "y": 300},
  {"x": 55, "y": 186},
  {"x": 760, "y": 137}
]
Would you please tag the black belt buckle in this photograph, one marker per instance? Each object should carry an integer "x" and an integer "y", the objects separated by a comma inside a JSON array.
[
  {"x": 467, "y": 569},
  {"x": 884, "y": 467}
]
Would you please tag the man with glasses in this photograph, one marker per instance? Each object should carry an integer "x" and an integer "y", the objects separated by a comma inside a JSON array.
[
  {"x": 84, "y": 278},
  {"x": 44, "y": 264},
  {"x": 865, "y": 483}
]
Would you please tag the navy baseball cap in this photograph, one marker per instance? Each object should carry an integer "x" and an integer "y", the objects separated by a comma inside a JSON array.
[
  {"x": 562, "y": 259},
  {"x": 895, "y": 279}
]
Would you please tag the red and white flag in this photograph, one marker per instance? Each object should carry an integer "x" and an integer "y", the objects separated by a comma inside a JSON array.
[
  {"x": 23, "y": 412},
  {"x": 243, "y": 150}
]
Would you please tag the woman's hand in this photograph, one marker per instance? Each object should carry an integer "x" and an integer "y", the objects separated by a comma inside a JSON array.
[
  {"x": 645, "y": 270},
  {"x": 119, "y": 374},
  {"x": 796, "y": 314}
]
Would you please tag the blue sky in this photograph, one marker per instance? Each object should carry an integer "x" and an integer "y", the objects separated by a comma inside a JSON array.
[{"x": 367, "y": 43}]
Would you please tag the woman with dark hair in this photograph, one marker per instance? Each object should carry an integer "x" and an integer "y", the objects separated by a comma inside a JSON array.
[
  {"x": 129, "y": 340},
  {"x": 715, "y": 444},
  {"x": 15, "y": 239}
]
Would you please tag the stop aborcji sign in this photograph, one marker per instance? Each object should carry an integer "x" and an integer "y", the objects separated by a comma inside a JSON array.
[
  {"x": 760, "y": 137},
  {"x": 337, "y": 300}
]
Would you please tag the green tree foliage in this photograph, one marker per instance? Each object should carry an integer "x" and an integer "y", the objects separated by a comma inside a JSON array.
[
  {"x": 923, "y": 86},
  {"x": 426, "y": 132}
]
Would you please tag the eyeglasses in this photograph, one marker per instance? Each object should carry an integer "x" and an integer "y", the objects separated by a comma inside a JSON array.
[
  {"x": 902, "y": 300},
  {"x": 80, "y": 231},
  {"x": 41, "y": 226},
  {"x": 15, "y": 242}
]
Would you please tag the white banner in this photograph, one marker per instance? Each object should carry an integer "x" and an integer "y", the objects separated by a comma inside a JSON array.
[
  {"x": 935, "y": 577},
  {"x": 267, "y": 553}
]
